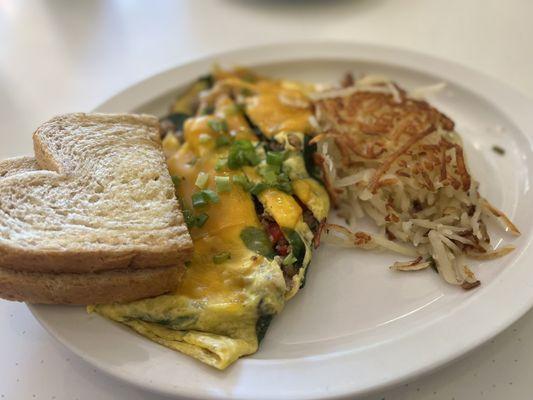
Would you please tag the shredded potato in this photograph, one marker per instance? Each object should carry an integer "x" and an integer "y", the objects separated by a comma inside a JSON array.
[{"x": 392, "y": 157}]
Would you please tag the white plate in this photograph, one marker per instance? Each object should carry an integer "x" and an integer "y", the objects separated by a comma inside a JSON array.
[{"x": 356, "y": 327}]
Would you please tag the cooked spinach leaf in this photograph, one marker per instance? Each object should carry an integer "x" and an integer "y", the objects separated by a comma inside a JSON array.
[{"x": 310, "y": 166}]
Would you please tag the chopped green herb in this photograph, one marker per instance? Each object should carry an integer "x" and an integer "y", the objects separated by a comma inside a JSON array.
[
  {"x": 223, "y": 184},
  {"x": 218, "y": 125},
  {"x": 203, "y": 197},
  {"x": 242, "y": 181},
  {"x": 221, "y": 257},
  {"x": 289, "y": 260},
  {"x": 201, "y": 180},
  {"x": 222, "y": 141},
  {"x": 221, "y": 164},
  {"x": 257, "y": 188},
  {"x": 283, "y": 183},
  {"x": 176, "y": 180},
  {"x": 284, "y": 187},
  {"x": 194, "y": 220},
  {"x": 296, "y": 242},
  {"x": 211, "y": 196},
  {"x": 198, "y": 199},
  {"x": 201, "y": 219},
  {"x": 269, "y": 173},
  {"x": 242, "y": 152},
  {"x": 257, "y": 240},
  {"x": 275, "y": 157},
  {"x": 272, "y": 177},
  {"x": 499, "y": 150}
]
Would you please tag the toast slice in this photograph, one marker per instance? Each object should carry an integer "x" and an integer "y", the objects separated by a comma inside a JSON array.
[
  {"x": 81, "y": 288},
  {"x": 104, "y": 287},
  {"x": 102, "y": 199}
]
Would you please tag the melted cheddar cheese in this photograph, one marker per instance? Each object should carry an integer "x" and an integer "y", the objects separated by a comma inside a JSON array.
[
  {"x": 282, "y": 207},
  {"x": 269, "y": 109}
]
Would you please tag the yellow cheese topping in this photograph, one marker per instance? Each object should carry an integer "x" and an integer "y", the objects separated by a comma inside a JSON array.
[
  {"x": 220, "y": 233},
  {"x": 282, "y": 207},
  {"x": 269, "y": 109}
]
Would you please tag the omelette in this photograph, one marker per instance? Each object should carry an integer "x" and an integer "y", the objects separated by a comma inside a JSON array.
[{"x": 238, "y": 151}]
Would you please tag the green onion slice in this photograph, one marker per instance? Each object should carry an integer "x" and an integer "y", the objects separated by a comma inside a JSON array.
[{"x": 223, "y": 184}]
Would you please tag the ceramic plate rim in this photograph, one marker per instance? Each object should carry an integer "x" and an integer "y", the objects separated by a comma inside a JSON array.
[{"x": 515, "y": 107}]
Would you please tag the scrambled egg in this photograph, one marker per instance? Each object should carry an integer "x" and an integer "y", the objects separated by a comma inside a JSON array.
[{"x": 253, "y": 211}]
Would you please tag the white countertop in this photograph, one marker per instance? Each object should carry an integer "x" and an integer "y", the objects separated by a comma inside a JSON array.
[{"x": 60, "y": 56}]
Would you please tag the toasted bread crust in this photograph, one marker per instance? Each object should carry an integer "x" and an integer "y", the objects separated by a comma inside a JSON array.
[
  {"x": 29, "y": 260},
  {"x": 89, "y": 288},
  {"x": 165, "y": 244}
]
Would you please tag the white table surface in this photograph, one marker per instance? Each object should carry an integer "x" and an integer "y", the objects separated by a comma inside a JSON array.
[{"x": 60, "y": 56}]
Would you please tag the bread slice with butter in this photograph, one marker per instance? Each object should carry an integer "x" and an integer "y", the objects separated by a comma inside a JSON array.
[{"x": 96, "y": 208}]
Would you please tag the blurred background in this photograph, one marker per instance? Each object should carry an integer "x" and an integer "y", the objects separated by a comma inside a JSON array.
[{"x": 58, "y": 56}]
